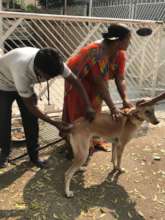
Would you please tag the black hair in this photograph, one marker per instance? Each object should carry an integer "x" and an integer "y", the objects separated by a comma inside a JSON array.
[
  {"x": 116, "y": 32},
  {"x": 49, "y": 61}
]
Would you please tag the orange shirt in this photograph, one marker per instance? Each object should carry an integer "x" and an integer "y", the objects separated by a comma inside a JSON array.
[{"x": 90, "y": 60}]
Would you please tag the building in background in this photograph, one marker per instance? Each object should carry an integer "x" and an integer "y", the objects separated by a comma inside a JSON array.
[
  {"x": 19, "y": 4},
  {"x": 127, "y": 9}
]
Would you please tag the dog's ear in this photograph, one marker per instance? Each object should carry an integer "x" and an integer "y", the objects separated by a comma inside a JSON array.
[{"x": 140, "y": 102}]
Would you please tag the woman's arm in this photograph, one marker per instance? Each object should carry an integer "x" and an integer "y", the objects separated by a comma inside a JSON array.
[
  {"x": 154, "y": 100},
  {"x": 122, "y": 89},
  {"x": 119, "y": 76},
  {"x": 103, "y": 91}
]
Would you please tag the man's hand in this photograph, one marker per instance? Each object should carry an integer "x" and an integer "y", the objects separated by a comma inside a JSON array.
[
  {"x": 90, "y": 114},
  {"x": 63, "y": 127},
  {"x": 146, "y": 103},
  {"x": 127, "y": 104}
]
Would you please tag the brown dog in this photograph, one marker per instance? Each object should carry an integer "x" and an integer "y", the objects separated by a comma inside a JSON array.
[{"x": 119, "y": 132}]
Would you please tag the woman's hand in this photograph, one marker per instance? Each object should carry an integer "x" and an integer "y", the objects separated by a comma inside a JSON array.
[
  {"x": 127, "y": 104},
  {"x": 90, "y": 114},
  {"x": 115, "y": 113}
]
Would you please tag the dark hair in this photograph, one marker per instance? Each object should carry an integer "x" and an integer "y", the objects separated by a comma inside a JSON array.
[
  {"x": 116, "y": 32},
  {"x": 48, "y": 61}
]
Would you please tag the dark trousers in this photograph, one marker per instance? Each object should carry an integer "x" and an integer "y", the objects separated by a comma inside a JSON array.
[{"x": 30, "y": 124}]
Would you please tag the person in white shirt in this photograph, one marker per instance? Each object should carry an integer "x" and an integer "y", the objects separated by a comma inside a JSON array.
[{"x": 20, "y": 69}]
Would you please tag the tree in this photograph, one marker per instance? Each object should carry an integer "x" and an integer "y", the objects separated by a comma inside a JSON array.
[{"x": 55, "y": 3}]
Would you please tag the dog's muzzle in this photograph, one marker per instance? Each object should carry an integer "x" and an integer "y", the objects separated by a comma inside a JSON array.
[{"x": 155, "y": 122}]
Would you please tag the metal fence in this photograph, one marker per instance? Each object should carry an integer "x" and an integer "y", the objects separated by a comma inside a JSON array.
[
  {"x": 137, "y": 9},
  {"x": 145, "y": 66},
  {"x": 131, "y": 9}
]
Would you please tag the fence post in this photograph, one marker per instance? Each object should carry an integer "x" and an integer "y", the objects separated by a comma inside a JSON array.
[
  {"x": 90, "y": 7},
  {"x": 65, "y": 7},
  {"x": 132, "y": 9},
  {"x": 156, "y": 63},
  {"x": 1, "y": 29}
]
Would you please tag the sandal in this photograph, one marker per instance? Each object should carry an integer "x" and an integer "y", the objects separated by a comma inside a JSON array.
[{"x": 101, "y": 144}]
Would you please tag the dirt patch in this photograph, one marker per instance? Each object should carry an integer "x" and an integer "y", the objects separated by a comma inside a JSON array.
[{"x": 139, "y": 194}]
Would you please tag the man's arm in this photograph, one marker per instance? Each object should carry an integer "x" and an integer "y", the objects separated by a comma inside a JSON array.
[
  {"x": 32, "y": 107},
  {"x": 154, "y": 100},
  {"x": 158, "y": 98}
]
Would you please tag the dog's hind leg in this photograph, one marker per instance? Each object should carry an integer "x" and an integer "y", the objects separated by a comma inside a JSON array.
[{"x": 81, "y": 151}]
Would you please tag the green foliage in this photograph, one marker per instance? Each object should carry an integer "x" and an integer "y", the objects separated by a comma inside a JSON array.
[
  {"x": 54, "y": 3},
  {"x": 30, "y": 8}
]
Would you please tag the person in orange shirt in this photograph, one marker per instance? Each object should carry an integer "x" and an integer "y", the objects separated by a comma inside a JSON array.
[{"x": 95, "y": 64}]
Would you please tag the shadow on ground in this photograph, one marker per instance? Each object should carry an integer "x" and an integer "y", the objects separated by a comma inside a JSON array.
[
  {"x": 44, "y": 197},
  {"x": 44, "y": 193}
]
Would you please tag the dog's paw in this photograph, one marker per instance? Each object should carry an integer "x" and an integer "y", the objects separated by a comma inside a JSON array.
[
  {"x": 120, "y": 170},
  {"x": 69, "y": 194}
]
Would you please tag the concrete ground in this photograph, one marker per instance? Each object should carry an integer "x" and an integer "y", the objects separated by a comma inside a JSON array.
[{"x": 28, "y": 193}]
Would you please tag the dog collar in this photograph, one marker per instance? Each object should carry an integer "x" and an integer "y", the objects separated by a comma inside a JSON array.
[{"x": 138, "y": 118}]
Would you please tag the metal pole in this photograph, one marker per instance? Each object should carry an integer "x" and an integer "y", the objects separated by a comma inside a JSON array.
[
  {"x": 1, "y": 30},
  {"x": 65, "y": 7},
  {"x": 13, "y": 4},
  {"x": 90, "y": 7}
]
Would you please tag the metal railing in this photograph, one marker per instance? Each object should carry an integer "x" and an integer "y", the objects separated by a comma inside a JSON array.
[
  {"x": 145, "y": 75},
  {"x": 137, "y": 9}
]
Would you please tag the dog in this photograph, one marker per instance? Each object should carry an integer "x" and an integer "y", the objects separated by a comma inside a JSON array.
[{"x": 119, "y": 132}]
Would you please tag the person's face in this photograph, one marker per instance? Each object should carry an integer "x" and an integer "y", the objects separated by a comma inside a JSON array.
[
  {"x": 123, "y": 45},
  {"x": 46, "y": 76},
  {"x": 112, "y": 47},
  {"x": 120, "y": 44},
  {"x": 42, "y": 75}
]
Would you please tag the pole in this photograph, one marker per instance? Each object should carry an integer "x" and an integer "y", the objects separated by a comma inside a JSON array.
[
  {"x": 65, "y": 7},
  {"x": 90, "y": 7},
  {"x": 1, "y": 29},
  {"x": 13, "y": 4}
]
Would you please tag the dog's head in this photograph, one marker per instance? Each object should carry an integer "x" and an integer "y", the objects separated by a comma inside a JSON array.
[{"x": 146, "y": 113}]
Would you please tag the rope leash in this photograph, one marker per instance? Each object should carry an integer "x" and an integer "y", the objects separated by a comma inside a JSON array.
[{"x": 38, "y": 149}]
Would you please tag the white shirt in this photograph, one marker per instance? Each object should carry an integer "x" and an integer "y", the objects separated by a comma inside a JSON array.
[{"x": 17, "y": 73}]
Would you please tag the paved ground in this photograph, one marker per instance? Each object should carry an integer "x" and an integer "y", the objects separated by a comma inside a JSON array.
[{"x": 139, "y": 194}]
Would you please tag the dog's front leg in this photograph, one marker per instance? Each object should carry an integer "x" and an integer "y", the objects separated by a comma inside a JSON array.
[
  {"x": 115, "y": 143},
  {"x": 114, "y": 152},
  {"x": 120, "y": 149}
]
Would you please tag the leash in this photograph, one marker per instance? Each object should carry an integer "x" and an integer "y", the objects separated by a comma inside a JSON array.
[{"x": 38, "y": 149}]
